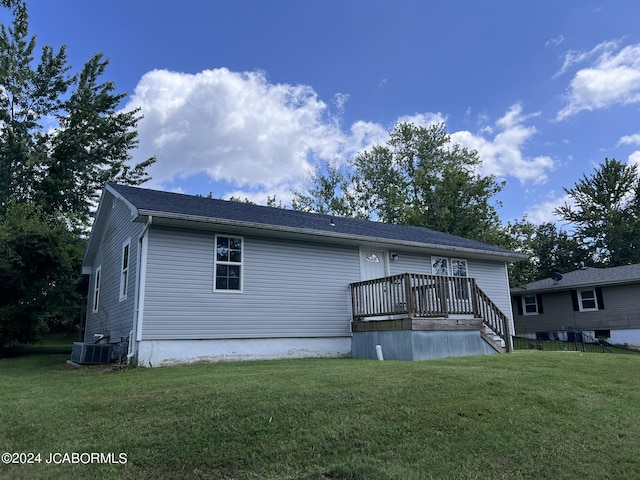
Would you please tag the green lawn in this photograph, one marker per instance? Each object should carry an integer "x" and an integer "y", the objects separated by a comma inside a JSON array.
[{"x": 522, "y": 415}]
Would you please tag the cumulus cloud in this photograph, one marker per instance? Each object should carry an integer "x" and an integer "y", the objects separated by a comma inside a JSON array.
[
  {"x": 261, "y": 138},
  {"x": 236, "y": 127},
  {"x": 503, "y": 155},
  {"x": 612, "y": 77}
]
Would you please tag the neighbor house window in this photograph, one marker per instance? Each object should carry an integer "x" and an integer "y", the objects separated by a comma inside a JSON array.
[
  {"x": 530, "y": 305},
  {"x": 228, "y": 263},
  {"x": 124, "y": 271},
  {"x": 587, "y": 300},
  {"x": 96, "y": 288}
]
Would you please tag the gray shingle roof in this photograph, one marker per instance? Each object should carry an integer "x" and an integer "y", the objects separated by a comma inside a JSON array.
[
  {"x": 163, "y": 204},
  {"x": 586, "y": 277}
]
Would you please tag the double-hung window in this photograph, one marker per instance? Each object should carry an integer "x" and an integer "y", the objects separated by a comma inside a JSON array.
[
  {"x": 588, "y": 301},
  {"x": 228, "y": 263},
  {"x": 530, "y": 305}
]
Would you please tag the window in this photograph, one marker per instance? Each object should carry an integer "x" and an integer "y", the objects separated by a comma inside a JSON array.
[
  {"x": 439, "y": 266},
  {"x": 373, "y": 258},
  {"x": 458, "y": 267},
  {"x": 454, "y": 267},
  {"x": 587, "y": 300},
  {"x": 228, "y": 263},
  {"x": 124, "y": 271},
  {"x": 530, "y": 305},
  {"x": 96, "y": 288}
]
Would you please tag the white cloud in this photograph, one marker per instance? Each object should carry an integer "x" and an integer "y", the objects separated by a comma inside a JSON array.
[
  {"x": 554, "y": 41},
  {"x": 612, "y": 78},
  {"x": 634, "y": 159},
  {"x": 502, "y": 155},
  {"x": 423, "y": 119},
  {"x": 236, "y": 127},
  {"x": 630, "y": 140},
  {"x": 263, "y": 139},
  {"x": 543, "y": 212}
]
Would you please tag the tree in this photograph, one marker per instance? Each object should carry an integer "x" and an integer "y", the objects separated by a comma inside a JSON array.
[
  {"x": 606, "y": 213},
  {"x": 418, "y": 178},
  {"x": 62, "y": 137},
  {"x": 549, "y": 249},
  {"x": 39, "y": 264}
]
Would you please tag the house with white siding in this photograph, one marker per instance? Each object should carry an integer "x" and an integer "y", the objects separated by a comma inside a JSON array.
[
  {"x": 602, "y": 302},
  {"x": 176, "y": 278}
]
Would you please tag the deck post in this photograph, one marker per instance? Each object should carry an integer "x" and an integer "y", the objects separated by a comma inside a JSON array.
[
  {"x": 408, "y": 295},
  {"x": 444, "y": 286}
]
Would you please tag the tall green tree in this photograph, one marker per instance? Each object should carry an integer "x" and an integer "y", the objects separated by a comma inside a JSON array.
[
  {"x": 605, "y": 213},
  {"x": 419, "y": 177},
  {"x": 549, "y": 248},
  {"x": 62, "y": 137}
]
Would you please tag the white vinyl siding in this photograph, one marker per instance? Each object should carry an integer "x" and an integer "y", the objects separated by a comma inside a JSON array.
[
  {"x": 290, "y": 288},
  {"x": 114, "y": 316}
]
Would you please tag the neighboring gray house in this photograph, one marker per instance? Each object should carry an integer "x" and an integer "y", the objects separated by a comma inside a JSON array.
[
  {"x": 176, "y": 278},
  {"x": 605, "y": 302}
]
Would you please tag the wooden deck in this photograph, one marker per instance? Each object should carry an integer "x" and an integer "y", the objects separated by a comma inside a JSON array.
[{"x": 411, "y": 301}]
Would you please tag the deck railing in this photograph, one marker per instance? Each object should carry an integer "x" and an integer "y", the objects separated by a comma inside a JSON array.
[{"x": 413, "y": 295}]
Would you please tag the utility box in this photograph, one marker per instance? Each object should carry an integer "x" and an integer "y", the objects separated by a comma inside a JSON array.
[{"x": 91, "y": 353}]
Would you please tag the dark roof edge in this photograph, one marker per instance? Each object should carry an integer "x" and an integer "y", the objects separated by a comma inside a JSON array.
[
  {"x": 562, "y": 288},
  {"x": 505, "y": 256}
]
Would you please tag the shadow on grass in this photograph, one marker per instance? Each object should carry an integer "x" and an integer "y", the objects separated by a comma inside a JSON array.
[{"x": 50, "y": 344}]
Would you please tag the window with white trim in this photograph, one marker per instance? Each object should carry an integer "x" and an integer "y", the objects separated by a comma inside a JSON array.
[
  {"x": 124, "y": 270},
  {"x": 587, "y": 300},
  {"x": 228, "y": 263},
  {"x": 458, "y": 267},
  {"x": 439, "y": 266},
  {"x": 96, "y": 288},
  {"x": 529, "y": 305},
  {"x": 455, "y": 267}
]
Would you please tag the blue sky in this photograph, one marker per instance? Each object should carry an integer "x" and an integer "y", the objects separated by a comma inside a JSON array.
[{"x": 245, "y": 97}]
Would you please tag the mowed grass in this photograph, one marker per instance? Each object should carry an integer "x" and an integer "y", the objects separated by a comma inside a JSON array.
[{"x": 522, "y": 415}]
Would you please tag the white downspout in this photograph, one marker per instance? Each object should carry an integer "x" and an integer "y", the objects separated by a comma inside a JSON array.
[{"x": 135, "y": 335}]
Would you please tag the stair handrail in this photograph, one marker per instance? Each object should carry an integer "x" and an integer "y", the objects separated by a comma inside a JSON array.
[{"x": 492, "y": 316}]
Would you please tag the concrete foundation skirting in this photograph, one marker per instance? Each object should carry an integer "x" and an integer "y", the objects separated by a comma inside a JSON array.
[
  {"x": 159, "y": 353},
  {"x": 419, "y": 345}
]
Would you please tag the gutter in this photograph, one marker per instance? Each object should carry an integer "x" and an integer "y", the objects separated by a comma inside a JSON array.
[
  {"x": 566, "y": 288},
  {"x": 504, "y": 256},
  {"x": 143, "y": 242}
]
